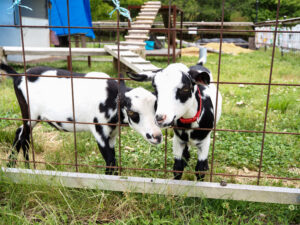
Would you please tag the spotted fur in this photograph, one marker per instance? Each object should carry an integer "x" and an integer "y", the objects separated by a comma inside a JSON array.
[
  {"x": 177, "y": 97},
  {"x": 95, "y": 101}
]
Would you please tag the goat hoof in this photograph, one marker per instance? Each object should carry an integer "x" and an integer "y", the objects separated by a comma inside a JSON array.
[
  {"x": 27, "y": 165},
  {"x": 177, "y": 176},
  {"x": 110, "y": 171},
  {"x": 11, "y": 164},
  {"x": 200, "y": 177}
]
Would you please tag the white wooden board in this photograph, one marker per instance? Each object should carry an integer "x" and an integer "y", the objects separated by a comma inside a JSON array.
[
  {"x": 153, "y": 186},
  {"x": 13, "y": 50}
]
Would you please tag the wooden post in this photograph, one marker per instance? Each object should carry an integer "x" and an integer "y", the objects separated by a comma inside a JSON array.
[
  {"x": 2, "y": 59},
  {"x": 251, "y": 42},
  {"x": 83, "y": 45},
  {"x": 115, "y": 63},
  {"x": 174, "y": 33},
  {"x": 3, "y": 55},
  {"x": 83, "y": 41},
  {"x": 123, "y": 67},
  {"x": 181, "y": 34},
  {"x": 69, "y": 62},
  {"x": 128, "y": 21},
  {"x": 76, "y": 41}
]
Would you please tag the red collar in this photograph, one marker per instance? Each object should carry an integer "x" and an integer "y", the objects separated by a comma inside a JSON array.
[{"x": 191, "y": 120}]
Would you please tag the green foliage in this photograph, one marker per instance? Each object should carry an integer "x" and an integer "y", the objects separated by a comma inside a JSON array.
[
  {"x": 100, "y": 9},
  {"x": 203, "y": 10},
  {"x": 267, "y": 9}
]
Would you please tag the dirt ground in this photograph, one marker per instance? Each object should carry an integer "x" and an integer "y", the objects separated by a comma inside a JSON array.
[{"x": 228, "y": 48}]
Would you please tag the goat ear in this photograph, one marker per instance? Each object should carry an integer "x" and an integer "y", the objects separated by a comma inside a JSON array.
[
  {"x": 145, "y": 76},
  {"x": 197, "y": 77}
]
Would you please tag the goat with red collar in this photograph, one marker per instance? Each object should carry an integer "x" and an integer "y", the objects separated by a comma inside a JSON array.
[{"x": 185, "y": 99}]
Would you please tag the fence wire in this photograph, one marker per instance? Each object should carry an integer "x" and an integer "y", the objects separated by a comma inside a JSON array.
[{"x": 171, "y": 33}]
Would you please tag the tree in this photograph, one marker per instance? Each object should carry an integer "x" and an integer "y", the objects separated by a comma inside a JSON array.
[
  {"x": 100, "y": 9},
  {"x": 267, "y": 9},
  {"x": 204, "y": 10}
]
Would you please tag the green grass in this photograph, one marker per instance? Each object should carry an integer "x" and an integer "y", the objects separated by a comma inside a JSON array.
[
  {"x": 235, "y": 152},
  {"x": 26, "y": 204},
  {"x": 232, "y": 150}
]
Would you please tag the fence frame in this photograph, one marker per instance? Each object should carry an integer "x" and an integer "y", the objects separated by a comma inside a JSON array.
[
  {"x": 159, "y": 186},
  {"x": 251, "y": 193}
]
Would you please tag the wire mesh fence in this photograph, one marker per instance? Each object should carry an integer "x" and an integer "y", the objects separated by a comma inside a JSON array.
[{"x": 159, "y": 159}]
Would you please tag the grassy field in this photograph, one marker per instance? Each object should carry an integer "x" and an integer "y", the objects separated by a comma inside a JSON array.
[{"x": 235, "y": 153}]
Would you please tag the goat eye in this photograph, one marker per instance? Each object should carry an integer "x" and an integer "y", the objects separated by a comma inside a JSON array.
[
  {"x": 185, "y": 90},
  {"x": 130, "y": 113},
  {"x": 134, "y": 116}
]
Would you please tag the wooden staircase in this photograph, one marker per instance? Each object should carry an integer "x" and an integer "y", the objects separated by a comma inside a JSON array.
[
  {"x": 135, "y": 41},
  {"x": 144, "y": 20}
]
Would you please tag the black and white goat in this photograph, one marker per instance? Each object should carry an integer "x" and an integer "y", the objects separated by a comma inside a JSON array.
[
  {"x": 185, "y": 98},
  {"x": 95, "y": 101}
]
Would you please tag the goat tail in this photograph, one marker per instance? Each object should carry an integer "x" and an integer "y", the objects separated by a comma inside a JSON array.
[
  {"x": 9, "y": 70},
  {"x": 202, "y": 56}
]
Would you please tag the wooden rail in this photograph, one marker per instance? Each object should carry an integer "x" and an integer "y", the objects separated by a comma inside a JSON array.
[
  {"x": 127, "y": 56},
  {"x": 13, "y": 50},
  {"x": 185, "y": 24},
  {"x": 153, "y": 186}
]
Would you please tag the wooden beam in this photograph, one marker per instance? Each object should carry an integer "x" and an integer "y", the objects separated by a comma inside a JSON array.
[
  {"x": 295, "y": 21},
  {"x": 185, "y": 24},
  {"x": 2, "y": 55},
  {"x": 13, "y": 50},
  {"x": 239, "y": 192}
]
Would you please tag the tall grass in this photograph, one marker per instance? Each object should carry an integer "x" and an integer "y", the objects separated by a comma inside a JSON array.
[{"x": 26, "y": 204}]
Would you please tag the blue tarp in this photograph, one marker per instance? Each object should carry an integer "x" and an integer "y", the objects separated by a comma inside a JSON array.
[{"x": 80, "y": 16}]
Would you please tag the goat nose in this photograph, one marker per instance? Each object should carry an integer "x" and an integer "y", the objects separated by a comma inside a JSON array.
[
  {"x": 160, "y": 118},
  {"x": 157, "y": 137}
]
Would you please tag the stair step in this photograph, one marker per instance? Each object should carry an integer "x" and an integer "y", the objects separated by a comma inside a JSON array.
[
  {"x": 145, "y": 67},
  {"x": 151, "y": 7},
  {"x": 127, "y": 54},
  {"x": 135, "y": 32},
  {"x": 137, "y": 60},
  {"x": 145, "y": 17},
  {"x": 136, "y": 36},
  {"x": 146, "y": 26},
  {"x": 143, "y": 22},
  {"x": 149, "y": 10},
  {"x": 152, "y": 3},
  {"x": 147, "y": 14}
]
